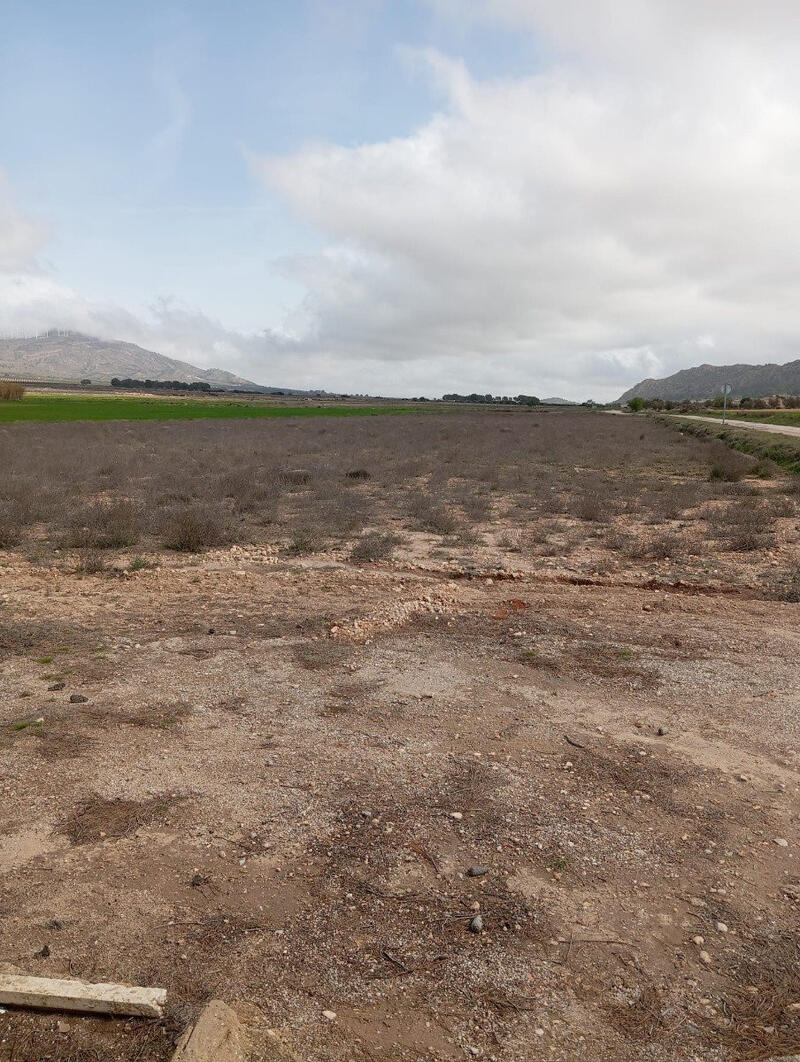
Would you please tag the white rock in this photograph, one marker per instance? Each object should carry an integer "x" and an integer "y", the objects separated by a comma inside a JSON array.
[
  {"x": 457, "y": 815},
  {"x": 705, "y": 957},
  {"x": 721, "y": 927},
  {"x": 329, "y": 1014},
  {"x": 781, "y": 842}
]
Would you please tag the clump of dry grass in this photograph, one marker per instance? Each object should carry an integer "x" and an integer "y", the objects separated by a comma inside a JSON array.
[
  {"x": 11, "y": 392},
  {"x": 96, "y": 817}
]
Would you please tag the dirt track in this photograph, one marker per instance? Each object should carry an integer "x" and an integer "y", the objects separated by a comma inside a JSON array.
[{"x": 754, "y": 425}]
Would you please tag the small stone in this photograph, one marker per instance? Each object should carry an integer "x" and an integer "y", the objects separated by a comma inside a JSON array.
[
  {"x": 476, "y": 925},
  {"x": 43, "y": 953},
  {"x": 721, "y": 927},
  {"x": 781, "y": 842},
  {"x": 539, "y": 1032},
  {"x": 699, "y": 941},
  {"x": 457, "y": 815},
  {"x": 56, "y": 686},
  {"x": 329, "y": 1014},
  {"x": 78, "y": 698},
  {"x": 477, "y": 872},
  {"x": 662, "y": 731},
  {"x": 63, "y": 1026},
  {"x": 705, "y": 957},
  {"x": 475, "y": 1052},
  {"x": 366, "y": 814}
]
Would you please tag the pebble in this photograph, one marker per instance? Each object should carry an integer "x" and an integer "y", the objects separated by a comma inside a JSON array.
[
  {"x": 78, "y": 698},
  {"x": 56, "y": 686},
  {"x": 477, "y": 872},
  {"x": 699, "y": 941},
  {"x": 705, "y": 957},
  {"x": 63, "y": 1026},
  {"x": 457, "y": 815},
  {"x": 781, "y": 842},
  {"x": 329, "y": 1014},
  {"x": 476, "y": 925},
  {"x": 721, "y": 927}
]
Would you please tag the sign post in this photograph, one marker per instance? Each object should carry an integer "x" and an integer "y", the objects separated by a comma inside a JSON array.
[{"x": 726, "y": 390}]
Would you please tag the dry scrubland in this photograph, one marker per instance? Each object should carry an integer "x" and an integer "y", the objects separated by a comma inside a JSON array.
[{"x": 330, "y": 666}]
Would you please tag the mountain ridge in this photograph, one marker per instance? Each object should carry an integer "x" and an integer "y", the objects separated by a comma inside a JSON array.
[
  {"x": 74, "y": 356},
  {"x": 707, "y": 381}
]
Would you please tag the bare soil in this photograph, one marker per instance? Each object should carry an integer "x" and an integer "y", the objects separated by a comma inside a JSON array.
[{"x": 288, "y": 762}]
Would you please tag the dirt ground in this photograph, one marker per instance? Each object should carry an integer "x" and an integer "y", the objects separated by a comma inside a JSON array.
[{"x": 537, "y": 809}]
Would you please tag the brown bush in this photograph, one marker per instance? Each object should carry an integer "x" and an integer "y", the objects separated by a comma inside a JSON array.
[
  {"x": 192, "y": 528},
  {"x": 106, "y": 525},
  {"x": 375, "y": 546},
  {"x": 11, "y": 392}
]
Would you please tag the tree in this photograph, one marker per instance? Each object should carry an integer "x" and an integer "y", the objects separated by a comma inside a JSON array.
[{"x": 636, "y": 404}]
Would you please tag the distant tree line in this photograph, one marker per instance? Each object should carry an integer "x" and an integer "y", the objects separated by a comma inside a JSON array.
[
  {"x": 637, "y": 403},
  {"x": 160, "y": 385},
  {"x": 504, "y": 400}
]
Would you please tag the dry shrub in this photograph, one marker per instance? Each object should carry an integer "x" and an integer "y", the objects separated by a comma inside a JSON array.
[
  {"x": 11, "y": 392},
  {"x": 729, "y": 465},
  {"x": 665, "y": 546},
  {"x": 742, "y": 526},
  {"x": 620, "y": 541},
  {"x": 10, "y": 531},
  {"x": 788, "y": 586},
  {"x": 105, "y": 525},
  {"x": 91, "y": 561},
  {"x": 430, "y": 514},
  {"x": 375, "y": 546},
  {"x": 590, "y": 504},
  {"x": 192, "y": 528}
]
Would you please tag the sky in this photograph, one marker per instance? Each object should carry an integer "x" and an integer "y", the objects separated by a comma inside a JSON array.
[{"x": 407, "y": 197}]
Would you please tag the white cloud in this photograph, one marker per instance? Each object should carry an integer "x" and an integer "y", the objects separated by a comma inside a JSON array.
[
  {"x": 627, "y": 210},
  {"x": 601, "y": 220},
  {"x": 20, "y": 238}
]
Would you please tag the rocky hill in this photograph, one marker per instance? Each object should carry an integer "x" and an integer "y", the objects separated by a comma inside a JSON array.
[
  {"x": 707, "y": 381},
  {"x": 70, "y": 356}
]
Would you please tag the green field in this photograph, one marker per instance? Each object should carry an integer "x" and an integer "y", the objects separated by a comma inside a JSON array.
[
  {"x": 50, "y": 408},
  {"x": 789, "y": 417}
]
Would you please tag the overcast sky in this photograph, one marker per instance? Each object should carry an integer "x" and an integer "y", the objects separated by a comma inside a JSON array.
[{"x": 557, "y": 197}]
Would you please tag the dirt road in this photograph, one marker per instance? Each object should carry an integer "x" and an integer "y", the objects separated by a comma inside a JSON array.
[{"x": 776, "y": 429}]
